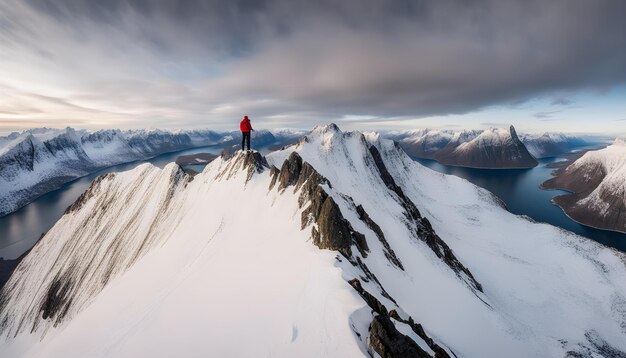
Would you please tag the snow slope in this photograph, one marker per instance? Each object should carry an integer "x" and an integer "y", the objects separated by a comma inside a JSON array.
[
  {"x": 154, "y": 262},
  {"x": 597, "y": 181}
]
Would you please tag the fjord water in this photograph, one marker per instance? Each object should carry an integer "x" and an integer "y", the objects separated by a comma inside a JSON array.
[
  {"x": 519, "y": 190},
  {"x": 20, "y": 230}
]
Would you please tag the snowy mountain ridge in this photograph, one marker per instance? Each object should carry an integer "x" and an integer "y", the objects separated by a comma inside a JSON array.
[
  {"x": 432, "y": 143},
  {"x": 349, "y": 248},
  {"x": 491, "y": 148},
  {"x": 597, "y": 181},
  {"x": 37, "y": 161}
]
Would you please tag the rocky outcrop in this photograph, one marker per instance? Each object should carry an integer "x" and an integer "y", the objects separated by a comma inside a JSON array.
[
  {"x": 389, "y": 253},
  {"x": 385, "y": 339},
  {"x": 331, "y": 230},
  {"x": 419, "y": 330},
  {"x": 250, "y": 161},
  {"x": 422, "y": 227}
]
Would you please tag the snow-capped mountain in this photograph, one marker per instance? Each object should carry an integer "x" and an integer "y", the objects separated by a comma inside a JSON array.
[
  {"x": 440, "y": 144},
  {"x": 425, "y": 143},
  {"x": 491, "y": 148},
  {"x": 37, "y": 161},
  {"x": 597, "y": 181},
  {"x": 551, "y": 144},
  {"x": 339, "y": 245}
]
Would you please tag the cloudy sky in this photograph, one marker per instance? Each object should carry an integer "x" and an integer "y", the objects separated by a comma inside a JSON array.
[{"x": 365, "y": 64}]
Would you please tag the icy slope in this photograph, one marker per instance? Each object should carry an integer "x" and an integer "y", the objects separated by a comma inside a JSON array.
[
  {"x": 413, "y": 263},
  {"x": 598, "y": 183}
]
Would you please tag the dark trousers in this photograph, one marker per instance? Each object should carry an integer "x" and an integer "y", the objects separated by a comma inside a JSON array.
[{"x": 245, "y": 140}]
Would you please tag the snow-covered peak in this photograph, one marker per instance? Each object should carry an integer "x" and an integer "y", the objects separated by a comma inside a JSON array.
[
  {"x": 492, "y": 137},
  {"x": 612, "y": 158},
  {"x": 619, "y": 142},
  {"x": 326, "y": 128}
]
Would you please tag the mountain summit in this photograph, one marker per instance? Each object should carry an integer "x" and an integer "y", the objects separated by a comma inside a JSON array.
[
  {"x": 493, "y": 148},
  {"x": 339, "y": 245}
]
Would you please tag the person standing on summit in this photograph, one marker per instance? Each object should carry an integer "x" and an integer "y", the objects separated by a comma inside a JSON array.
[{"x": 245, "y": 127}]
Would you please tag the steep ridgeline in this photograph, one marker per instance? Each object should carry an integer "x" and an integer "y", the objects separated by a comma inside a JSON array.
[
  {"x": 339, "y": 245},
  {"x": 37, "y": 161},
  {"x": 597, "y": 181},
  {"x": 494, "y": 148}
]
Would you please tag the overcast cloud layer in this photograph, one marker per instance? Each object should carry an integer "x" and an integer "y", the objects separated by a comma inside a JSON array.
[{"x": 295, "y": 63}]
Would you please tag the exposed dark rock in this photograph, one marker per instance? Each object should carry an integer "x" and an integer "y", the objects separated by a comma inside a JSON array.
[
  {"x": 419, "y": 330},
  {"x": 254, "y": 162},
  {"x": 388, "y": 342},
  {"x": 442, "y": 250},
  {"x": 369, "y": 276},
  {"x": 274, "y": 173},
  {"x": 422, "y": 227},
  {"x": 389, "y": 253},
  {"x": 596, "y": 347},
  {"x": 333, "y": 231},
  {"x": 58, "y": 299},
  {"x": 251, "y": 161},
  {"x": 371, "y": 301}
]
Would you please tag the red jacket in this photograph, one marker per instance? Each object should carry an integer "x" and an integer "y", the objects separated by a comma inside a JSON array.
[{"x": 245, "y": 125}]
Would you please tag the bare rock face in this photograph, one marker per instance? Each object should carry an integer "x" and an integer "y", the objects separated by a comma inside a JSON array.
[
  {"x": 251, "y": 161},
  {"x": 388, "y": 342},
  {"x": 389, "y": 253},
  {"x": 384, "y": 337},
  {"x": 333, "y": 231}
]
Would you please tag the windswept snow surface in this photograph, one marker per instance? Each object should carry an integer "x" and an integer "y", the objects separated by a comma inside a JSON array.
[{"x": 151, "y": 263}]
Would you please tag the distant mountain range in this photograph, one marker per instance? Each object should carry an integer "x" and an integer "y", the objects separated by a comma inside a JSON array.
[
  {"x": 37, "y": 161},
  {"x": 493, "y": 148},
  {"x": 340, "y": 245},
  {"x": 597, "y": 181}
]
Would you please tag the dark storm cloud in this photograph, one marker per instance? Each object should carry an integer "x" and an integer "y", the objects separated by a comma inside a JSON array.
[{"x": 318, "y": 59}]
